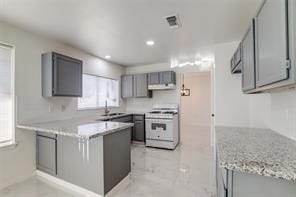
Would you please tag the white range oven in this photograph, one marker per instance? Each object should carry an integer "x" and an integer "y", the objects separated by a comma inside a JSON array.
[{"x": 162, "y": 126}]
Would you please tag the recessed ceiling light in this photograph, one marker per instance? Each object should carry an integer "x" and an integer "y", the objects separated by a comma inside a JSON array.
[
  {"x": 107, "y": 56},
  {"x": 150, "y": 43}
]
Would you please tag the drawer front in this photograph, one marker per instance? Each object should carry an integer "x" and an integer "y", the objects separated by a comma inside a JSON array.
[
  {"x": 139, "y": 117},
  {"x": 123, "y": 119}
]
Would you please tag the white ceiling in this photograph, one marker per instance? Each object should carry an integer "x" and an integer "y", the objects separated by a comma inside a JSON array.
[{"x": 121, "y": 27}]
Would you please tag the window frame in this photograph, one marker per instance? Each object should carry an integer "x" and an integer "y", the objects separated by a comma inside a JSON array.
[
  {"x": 11, "y": 141},
  {"x": 96, "y": 108}
]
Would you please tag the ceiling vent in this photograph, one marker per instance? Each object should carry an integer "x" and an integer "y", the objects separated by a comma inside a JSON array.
[{"x": 173, "y": 21}]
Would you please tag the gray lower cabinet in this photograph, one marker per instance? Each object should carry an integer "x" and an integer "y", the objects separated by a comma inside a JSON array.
[
  {"x": 46, "y": 148},
  {"x": 97, "y": 164},
  {"x": 61, "y": 75},
  {"x": 141, "y": 86},
  {"x": 117, "y": 158},
  {"x": 236, "y": 184},
  {"x": 127, "y": 86},
  {"x": 138, "y": 131},
  {"x": 248, "y": 60},
  {"x": 128, "y": 118},
  {"x": 139, "y": 128},
  {"x": 79, "y": 162}
]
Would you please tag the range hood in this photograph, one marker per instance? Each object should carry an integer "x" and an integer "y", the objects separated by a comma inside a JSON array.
[{"x": 169, "y": 86}]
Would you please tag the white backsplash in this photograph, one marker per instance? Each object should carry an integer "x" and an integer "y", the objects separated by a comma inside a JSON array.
[{"x": 283, "y": 113}]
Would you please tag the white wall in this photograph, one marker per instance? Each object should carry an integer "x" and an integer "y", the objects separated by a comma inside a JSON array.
[
  {"x": 232, "y": 107},
  {"x": 196, "y": 108},
  {"x": 18, "y": 163},
  {"x": 161, "y": 96},
  {"x": 283, "y": 113},
  {"x": 276, "y": 110}
]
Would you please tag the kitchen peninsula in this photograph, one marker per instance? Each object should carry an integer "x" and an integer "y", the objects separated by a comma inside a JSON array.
[{"x": 91, "y": 153}]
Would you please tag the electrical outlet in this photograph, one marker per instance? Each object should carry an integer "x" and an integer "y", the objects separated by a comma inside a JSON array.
[{"x": 63, "y": 108}]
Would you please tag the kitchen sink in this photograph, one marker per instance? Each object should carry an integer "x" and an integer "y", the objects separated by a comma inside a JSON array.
[{"x": 113, "y": 114}]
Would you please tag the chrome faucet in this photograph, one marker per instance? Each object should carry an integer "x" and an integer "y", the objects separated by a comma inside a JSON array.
[{"x": 107, "y": 110}]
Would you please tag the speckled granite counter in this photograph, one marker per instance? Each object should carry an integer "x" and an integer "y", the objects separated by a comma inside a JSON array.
[
  {"x": 258, "y": 151},
  {"x": 85, "y": 128}
]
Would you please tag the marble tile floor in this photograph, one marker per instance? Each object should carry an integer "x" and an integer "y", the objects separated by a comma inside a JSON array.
[{"x": 187, "y": 171}]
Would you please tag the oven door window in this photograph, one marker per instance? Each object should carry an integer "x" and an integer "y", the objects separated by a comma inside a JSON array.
[{"x": 158, "y": 126}]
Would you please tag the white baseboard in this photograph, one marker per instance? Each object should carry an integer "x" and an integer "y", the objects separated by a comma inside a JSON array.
[{"x": 66, "y": 185}]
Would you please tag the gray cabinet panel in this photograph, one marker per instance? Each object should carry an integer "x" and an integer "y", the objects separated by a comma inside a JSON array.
[
  {"x": 61, "y": 75},
  {"x": 271, "y": 43},
  {"x": 248, "y": 60},
  {"x": 46, "y": 154},
  {"x": 67, "y": 76},
  {"x": 246, "y": 185},
  {"x": 117, "y": 158},
  {"x": 79, "y": 162},
  {"x": 154, "y": 78},
  {"x": 167, "y": 77},
  {"x": 141, "y": 86},
  {"x": 127, "y": 83},
  {"x": 236, "y": 61},
  {"x": 139, "y": 128},
  {"x": 139, "y": 131}
]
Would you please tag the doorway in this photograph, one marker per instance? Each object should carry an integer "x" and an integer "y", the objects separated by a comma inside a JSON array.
[{"x": 195, "y": 109}]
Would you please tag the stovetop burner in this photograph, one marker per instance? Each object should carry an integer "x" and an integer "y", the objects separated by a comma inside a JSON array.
[{"x": 168, "y": 112}]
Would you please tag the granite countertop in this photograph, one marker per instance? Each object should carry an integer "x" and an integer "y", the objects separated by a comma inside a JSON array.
[
  {"x": 83, "y": 127},
  {"x": 258, "y": 151}
]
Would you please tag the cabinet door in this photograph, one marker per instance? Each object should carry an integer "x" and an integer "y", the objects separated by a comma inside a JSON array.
[
  {"x": 139, "y": 131},
  {"x": 67, "y": 77},
  {"x": 141, "y": 85},
  {"x": 127, "y": 86},
  {"x": 153, "y": 78},
  {"x": 46, "y": 154},
  {"x": 248, "y": 60},
  {"x": 167, "y": 77},
  {"x": 272, "y": 43}
]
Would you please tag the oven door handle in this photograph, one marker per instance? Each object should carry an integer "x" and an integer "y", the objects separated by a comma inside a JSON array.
[{"x": 159, "y": 120}]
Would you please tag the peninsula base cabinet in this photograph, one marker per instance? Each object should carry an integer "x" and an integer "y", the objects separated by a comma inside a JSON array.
[
  {"x": 96, "y": 164},
  {"x": 139, "y": 128},
  {"x": 236, "y": 184}
]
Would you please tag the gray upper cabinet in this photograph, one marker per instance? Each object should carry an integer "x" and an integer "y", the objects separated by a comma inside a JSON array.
[
  {"x": 162, "y": 80},
  {"x": 141, "y": 86},
  {"x": 167, "y": 77},
  {"x": 135, "y": 86},
  {"x": 154, "y": 78},
  {"x": 236, "y": 61},
  {"x": 61, "y": 75},
  {"x": 127, "y": 86},
  {"x": 248, "y": 60},
  {"x": 272, "y": 43}
]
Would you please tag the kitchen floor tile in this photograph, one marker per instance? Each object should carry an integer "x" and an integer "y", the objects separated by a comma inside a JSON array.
[{"x": 188, "y": 171}]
